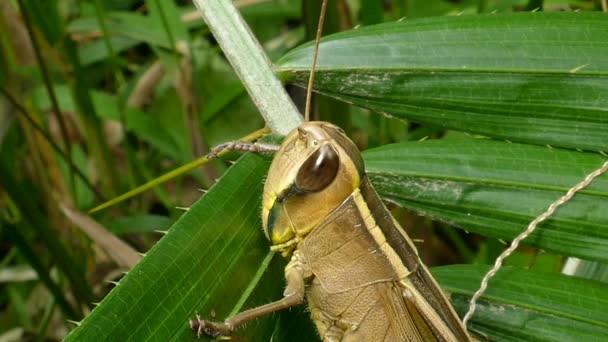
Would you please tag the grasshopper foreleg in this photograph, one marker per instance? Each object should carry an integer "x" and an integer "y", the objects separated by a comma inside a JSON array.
[
  {"x": 295, "y": 274},
  {"x": 242, "y": 146}
]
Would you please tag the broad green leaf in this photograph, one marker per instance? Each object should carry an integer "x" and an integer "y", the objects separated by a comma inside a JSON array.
[
  {"x": 203, "y": 264},
  {"x": 97, "y": 50},
  {"x": 225, "y": 96},
  {"x": 496, "y": 189},
  {"x": 175, "y": 125},
  {"x": 166, "y": 14},
  {"x": 106, "y": 105},
  {"x": 125, "y": 24},
  {"x": 272, "y": 9},
  {"x": 520, "y": 305},
  {"x": 533, "y": 77},
  {"x": 149, "y": 128},
  {"x": 164, "y": 132}
]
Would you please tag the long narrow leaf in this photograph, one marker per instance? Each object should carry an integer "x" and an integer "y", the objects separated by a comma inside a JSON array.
[
  {"x": 520, "y": 305},
  {"x": 202, "y": 265},
  {"x": 533, "y": 77},
  {"x": 496, "y": 189}
]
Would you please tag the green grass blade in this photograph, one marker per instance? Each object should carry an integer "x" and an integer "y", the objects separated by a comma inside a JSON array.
[
  {"x": 33, "y": 217},
  {"x": 202, "y": 265},
  {"x": 92, "y": 124},
  {"x": 533, "y": 77},
  {"x": 124, "y": 24},
  {"x": 496, "y": 189},
  {"x": 46, "y": 17},
  {"x": 15, "y": 235},
  {"x": 521, "y": 305}
]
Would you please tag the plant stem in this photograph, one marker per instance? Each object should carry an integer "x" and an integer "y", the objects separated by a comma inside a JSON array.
[{"x": 251, "y": 64}]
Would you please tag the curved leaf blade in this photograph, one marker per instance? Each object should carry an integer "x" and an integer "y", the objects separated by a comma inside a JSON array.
[
  {"x": 496, "y": 189},
  {"x": 201, "y": 265},
  {"x": 521, "y": 305},
  {"x": 533, "y": 77}
]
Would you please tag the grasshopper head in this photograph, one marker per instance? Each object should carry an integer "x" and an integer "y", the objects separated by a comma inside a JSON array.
[{"x": 316, "y": 168}]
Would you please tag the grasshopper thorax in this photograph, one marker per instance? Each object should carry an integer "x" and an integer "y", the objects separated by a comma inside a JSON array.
[{"x": 316, "y": 168}]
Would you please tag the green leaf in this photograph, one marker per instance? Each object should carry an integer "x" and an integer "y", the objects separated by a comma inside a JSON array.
[
  {"x": 27, "y": 218},
  {"x": 167, "y": 11},
  {"x": 97, "y": 50},
  {"x": 520, "y": 305},
  {"x": 139, "y": 224},
  {"x": 105, "y": 104},
  {"x": 213, "y": 257},
  {"x": 14, "y": 234},
  {"x": 496, "y": 188},
  {"x": 172, "y": 125},
  {"x": 45, "y": 16},
  {"x": 149, "y": 128},
  {"x": 203, "y": 264},
  {"x": 225, "y": 96},
  {"x": 533, "y": 77},
  {"x": 125, "y": 24}
]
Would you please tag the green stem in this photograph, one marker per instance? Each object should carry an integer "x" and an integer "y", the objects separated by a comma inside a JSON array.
[
  {"x": 251, "y": 64},
  {"x": 99, "y": 13}
]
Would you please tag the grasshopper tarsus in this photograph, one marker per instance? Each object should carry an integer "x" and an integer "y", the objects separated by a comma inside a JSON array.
[
  {"x": 210, "y": 329},
  {"x": 242, "y": 146}
]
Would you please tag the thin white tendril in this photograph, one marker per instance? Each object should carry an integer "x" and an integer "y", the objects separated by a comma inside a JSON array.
[
  {"x": 542, "y": 217},
  {"x": 311, "y": 77}
]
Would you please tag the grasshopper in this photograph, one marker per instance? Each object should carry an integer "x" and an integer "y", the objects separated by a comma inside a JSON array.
[{"x": 350, "y": 260}]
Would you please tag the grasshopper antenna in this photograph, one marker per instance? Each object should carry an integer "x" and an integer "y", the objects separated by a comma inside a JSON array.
[{"x": 311, "y": 77}]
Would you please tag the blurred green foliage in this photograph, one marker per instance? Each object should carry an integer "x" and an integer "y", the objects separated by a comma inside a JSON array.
[{"x": 100, "y": 96}]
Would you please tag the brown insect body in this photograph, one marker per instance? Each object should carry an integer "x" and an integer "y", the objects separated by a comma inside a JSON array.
[{"x": 365, "y": 279}]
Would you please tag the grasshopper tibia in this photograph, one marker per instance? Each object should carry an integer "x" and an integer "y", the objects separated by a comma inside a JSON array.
[
  {"x": 241, "y": 146},
  {"x": 295, "y": 272},
  {"x": 226, "y": 328}
]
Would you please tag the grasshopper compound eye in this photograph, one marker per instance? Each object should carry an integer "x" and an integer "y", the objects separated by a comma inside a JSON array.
[{"x": 319, "y": 170}]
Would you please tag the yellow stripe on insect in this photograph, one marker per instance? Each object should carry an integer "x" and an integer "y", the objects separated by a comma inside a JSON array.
[{"x": 374, "y": 230}]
